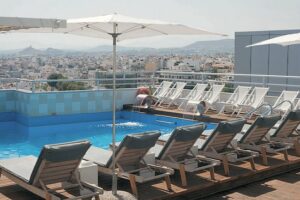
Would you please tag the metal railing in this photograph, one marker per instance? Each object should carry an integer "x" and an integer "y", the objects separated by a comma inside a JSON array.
[{"x": 276, "y": 83}]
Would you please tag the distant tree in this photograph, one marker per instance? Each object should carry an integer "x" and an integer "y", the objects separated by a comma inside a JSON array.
[
  {"x": 229, "y": 87},
  {"x": 54, "y": 76},
  {"x": 214, "y": 70},
  {"x": 70, "y": 66},
  {"x": 72, "y": 85},
  {"x": 68, "y": 85}
]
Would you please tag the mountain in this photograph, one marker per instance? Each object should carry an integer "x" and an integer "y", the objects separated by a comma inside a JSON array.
[
  {"x": 225, "y": 45},
  {"x": 108, "y": 48},
  {"x": 200, "y": 47},
  {"x": 213, "y": 46},
  {"x": 52, "y": 51},
  {"x": 29, "y": 51}
]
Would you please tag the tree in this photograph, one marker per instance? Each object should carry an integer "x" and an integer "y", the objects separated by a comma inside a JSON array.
[
  {"x": 55, "y": 76},
  {"x": 229, "y": 87},
  {"x": 67, "y": 85},
  {"x": 214, "y": 70},
  {"x": 72, "y": 85}
]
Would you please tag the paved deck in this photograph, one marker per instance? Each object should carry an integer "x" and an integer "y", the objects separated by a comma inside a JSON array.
[
  {"x": 285, "y": 186},
  {"x": 210, "y": 116}
]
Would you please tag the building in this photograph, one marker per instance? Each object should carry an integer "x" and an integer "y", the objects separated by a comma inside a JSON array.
[{"x": 267, "y": 60}]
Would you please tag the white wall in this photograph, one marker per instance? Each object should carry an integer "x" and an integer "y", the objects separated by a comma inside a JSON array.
[{"x": 269, "y": 59}]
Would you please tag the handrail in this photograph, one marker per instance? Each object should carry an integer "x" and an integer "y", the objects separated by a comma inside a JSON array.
[
  {"x": 259, "y": 107},
  {"x": 285, "y": 101},
  {"x": 227, "y": 74},
  {"x": 153, "y": 78}
]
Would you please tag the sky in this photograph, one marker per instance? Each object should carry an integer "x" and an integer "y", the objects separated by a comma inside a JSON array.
[{"x": 222, "y": 16}]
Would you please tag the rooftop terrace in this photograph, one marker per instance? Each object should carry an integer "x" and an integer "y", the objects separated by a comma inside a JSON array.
[{"x": 28, "y": 97}]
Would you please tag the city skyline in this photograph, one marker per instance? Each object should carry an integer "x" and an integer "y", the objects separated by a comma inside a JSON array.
[{"x": 216, "y": 15}]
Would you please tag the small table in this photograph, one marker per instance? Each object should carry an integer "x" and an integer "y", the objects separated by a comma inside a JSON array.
[{"x": 88, "y": 172}]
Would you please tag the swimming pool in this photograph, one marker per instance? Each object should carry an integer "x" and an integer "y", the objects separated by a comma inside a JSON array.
[{"x": 21, "y": 135}]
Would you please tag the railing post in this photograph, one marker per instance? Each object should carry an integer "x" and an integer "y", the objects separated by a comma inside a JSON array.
[
  {"x": 33, "y": 86},
  {"x": 264, "y": 81},
  {"x": 153, "y": 80},
  {"x": 17, "y": 85},
  {"x": 97, "y": 84},
  {"x": 202, "y": 77}
]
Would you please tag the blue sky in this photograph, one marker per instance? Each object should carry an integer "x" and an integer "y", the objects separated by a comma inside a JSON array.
[{"x": 224, "y": 16}]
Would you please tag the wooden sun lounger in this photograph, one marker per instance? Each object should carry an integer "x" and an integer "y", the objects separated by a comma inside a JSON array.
[
  {"x": 287, "y": 131},
  {"x": 55, "y": 169},
  {"x": 129, "y": 160},
  {"x": 252, "y": 139},
  {"x": 217, "y": 145},
  {"x": 176, "y": 152}
]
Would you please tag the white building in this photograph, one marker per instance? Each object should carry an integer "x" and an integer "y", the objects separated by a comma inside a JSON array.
[{"x": 268, "y": 60}]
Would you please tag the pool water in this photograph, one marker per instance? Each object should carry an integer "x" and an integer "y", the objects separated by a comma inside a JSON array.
[{"x": 26, "y": 136}]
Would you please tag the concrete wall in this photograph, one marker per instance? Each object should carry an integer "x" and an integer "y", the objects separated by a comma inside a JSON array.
[
  {"x": 268, "y": 60},
  {"x": 63, "y": 103}
]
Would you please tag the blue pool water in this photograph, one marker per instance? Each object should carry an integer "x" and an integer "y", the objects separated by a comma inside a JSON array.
[{"x": 21, "y": 135}]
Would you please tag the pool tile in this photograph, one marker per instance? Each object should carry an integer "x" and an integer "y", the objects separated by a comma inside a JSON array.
[
  {"x": 91, "y": 96},
  {"x": 68, "y": 108},
  {"x": 10, "y": 96},
  {"x": 43, "y": 109},
  {"x": 83, "y": 94},
  {"x": 3, "y": 108},
  {"x": 75, "y": 97},
  {"x": 51, "y": 109},
  {"x": 60, "y": 98},
  {"x": 76, "y": 107},
  {"x": 67, "y": 96},
  {"x": 34, "y": 110},
  {"x": 84, "y": 107},
  {"x": 91, "y": 106},
  {"x": 51, "y": 96},
  {"x": 43, "y": 98},
  {"x": 60, "y": 108}
]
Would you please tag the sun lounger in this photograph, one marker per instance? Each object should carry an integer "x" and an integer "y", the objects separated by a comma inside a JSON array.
[
  {"x": 194, "y": 95},
  {"x": 253, "y": 101},
  {"x": 162, "y": 90},
  {"x": 255, "y": 138},
  {"x": 172, "y": 95},
  {"x": 210, "y": 97},
  {"x": 57, "y": 164},
  {"x": 130, "y": 164},
  {"x": 217, "y": 145},
  {"x": 176, "y": 152},
  {"x": 285, "y": 102},
  {"x": 237, "y": 97},
  {"x": 287, "y": 130}
]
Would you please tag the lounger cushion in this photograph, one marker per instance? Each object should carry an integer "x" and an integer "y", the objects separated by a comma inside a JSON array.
[
  {"x": 262, "y": 121},
  {"x": 165, "y": 137},
  {"x": 156, "y": 149},
  {"x": 225, "y": 127},
  {"x": 199, "y": 143},
  {"x": 98, "y": 155},
  {"x": 59, "y": 153},
  {"x": 20, "y": 167},
  {"x": 141, "y": 141},
  {"x": 183, "y": 134}
]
